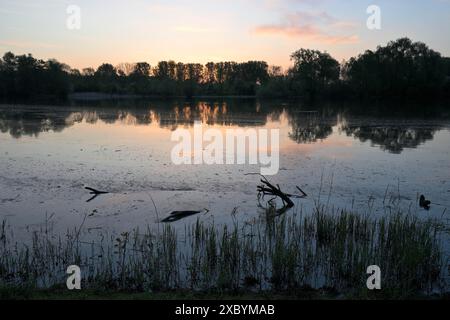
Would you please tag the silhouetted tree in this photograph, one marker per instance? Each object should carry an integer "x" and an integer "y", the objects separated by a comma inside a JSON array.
[
  {"x": 106, "y": 71},
  {"x": 277, "y": 84},
  {"x": 139, "y": 78},
  {"x": 446, "y": 88},
  {"x": 25, "y": 77},
  {"x": 313, "y": 72},
  {"x": 162, "y": 70},
  {"x": 402, "y": 68},
  {"x": 125, "y": 69},
  {"x": 56, "y": 78},
  {"x": 106, "y": 78},
  {"x": 7, "y": 75}
]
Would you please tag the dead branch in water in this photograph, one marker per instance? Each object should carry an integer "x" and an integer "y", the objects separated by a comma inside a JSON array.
[
  {"x": 177, "y": 215},
  {"x": 95, "y": 192},
  {"x": 268, "y": 189},
  {"x": 275, "y": 191},
  {"x": 304, "y": 195}
]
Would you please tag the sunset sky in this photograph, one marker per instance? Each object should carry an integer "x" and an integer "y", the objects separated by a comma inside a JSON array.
[{"x": 215, "y": 30}]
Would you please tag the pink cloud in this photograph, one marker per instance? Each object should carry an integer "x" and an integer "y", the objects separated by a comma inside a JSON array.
[{"x": 310, "y": 26}]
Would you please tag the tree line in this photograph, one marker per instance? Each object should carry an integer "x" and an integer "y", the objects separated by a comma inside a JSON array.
[{"x": 402, "y": 68}]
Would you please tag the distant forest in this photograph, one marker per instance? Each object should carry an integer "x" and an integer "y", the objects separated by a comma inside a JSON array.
[{"x": 401, "y": 69}]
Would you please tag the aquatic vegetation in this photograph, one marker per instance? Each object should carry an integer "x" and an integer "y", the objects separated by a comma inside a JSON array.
[{"x": 288, "y": 253}]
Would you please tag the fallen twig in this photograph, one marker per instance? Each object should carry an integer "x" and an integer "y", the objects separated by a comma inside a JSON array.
[
  {"x": 95, "y": 192},
  {"x": 177, "y": 215},
  {"x": 268, "y": 189},
  {"x": 303, "y": 193}
]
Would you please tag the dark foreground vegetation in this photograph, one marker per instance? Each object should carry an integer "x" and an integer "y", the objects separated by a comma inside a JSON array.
[
  {"x": 300, "y": 256},
  {"x": 401, "y": 69}
]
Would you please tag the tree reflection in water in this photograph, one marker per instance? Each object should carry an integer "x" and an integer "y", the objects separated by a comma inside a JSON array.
[
  {"x": 309, "y": 126},
  {"x": 392, "y": 135}
]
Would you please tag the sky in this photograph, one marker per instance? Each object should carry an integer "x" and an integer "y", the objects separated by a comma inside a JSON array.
[{"x": 117, "y": 31}]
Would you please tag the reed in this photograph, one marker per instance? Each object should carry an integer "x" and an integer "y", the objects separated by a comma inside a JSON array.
[{"x": 287, "y": 253}]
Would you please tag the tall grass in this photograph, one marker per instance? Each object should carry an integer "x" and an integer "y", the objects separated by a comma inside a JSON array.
[{"x": 275, "y": 253}]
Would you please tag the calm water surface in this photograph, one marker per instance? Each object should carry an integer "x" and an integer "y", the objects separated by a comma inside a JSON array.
[{"x": 370, "y": 164}]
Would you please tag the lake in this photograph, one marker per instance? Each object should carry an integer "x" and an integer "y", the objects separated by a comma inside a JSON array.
[{"x": 371, "y": 162}]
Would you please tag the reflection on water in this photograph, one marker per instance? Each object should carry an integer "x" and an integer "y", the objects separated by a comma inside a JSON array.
[
  {"x": 305, "y": 126},
  {"x": 393, "y": 137},
  {"x": 31, "y": 120},
  {"x": 308, "y": 127}
]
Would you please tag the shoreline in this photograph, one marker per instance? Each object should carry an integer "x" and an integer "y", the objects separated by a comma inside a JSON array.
[
  {"x": 59, "y": 293},
  {"x": 106, "y": 96}
]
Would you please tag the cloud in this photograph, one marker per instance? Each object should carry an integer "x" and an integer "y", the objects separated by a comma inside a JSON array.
[
  {"x": 310, "y": 26},
  {"x": 307, "y": 32}
]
